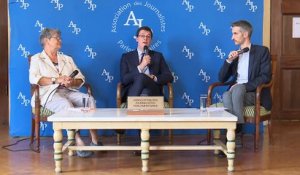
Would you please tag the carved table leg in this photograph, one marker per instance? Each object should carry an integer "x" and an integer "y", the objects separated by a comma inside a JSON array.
[
  {"x": 71, "y": 140},
  {"x": 230, "y": 148},
  {"x": 216, "y": 134},
  {"x": 57, "y": 136},
  {"x": 145, "y": 136}
]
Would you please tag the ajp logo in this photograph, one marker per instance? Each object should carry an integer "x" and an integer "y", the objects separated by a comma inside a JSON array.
[{"x": 130, "y": 16}]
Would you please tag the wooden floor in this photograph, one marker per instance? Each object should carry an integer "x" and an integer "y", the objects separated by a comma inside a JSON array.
[{"x": 282, "y": 157}]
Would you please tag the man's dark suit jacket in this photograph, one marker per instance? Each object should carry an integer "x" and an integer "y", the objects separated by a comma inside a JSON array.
[
  {"x": 129, "y": 70},
  {"x": 259, "y": 72}
]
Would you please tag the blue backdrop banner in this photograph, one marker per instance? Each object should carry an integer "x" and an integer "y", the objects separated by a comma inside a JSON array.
[{"x": 194, "y": 36}]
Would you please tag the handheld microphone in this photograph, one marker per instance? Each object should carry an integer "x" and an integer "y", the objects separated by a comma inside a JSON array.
[
  {"x": 241, "y": 51},
  {"x": 146, "y": 50},
  {"x": 246, "y": 49},
  {"x": 74, "y": 73}
]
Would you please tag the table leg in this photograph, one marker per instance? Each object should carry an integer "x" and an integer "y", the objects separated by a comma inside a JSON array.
[
  {"x": 230, "y": 148},
  {"x": 71, "y": 140},
  {"x": 217, "y": 135},
  {"x": 57, "y": 136},
  {"x": 145, "y": 136}
]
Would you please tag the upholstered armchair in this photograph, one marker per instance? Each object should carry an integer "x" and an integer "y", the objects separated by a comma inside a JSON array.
[{"x": 252, "y": 114}]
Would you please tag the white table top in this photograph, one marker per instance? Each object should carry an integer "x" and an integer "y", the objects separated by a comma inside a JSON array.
[{"x": 117, "y": 114}]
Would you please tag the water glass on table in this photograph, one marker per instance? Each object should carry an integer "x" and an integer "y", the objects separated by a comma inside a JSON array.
[
  {"x": 88, "y": 103},
  {"x": 203, "y": 101}
]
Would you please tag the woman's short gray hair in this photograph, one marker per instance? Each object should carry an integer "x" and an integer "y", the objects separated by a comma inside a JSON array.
[{"x": 48, "y": 33}]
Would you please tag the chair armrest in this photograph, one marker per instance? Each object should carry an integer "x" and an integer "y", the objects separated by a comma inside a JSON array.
[
  {"x": 258, "y": 93},
  {"x": 119, "y": 98},
  {"x": 88, "y": 88},
  {"x": 35, "y": 89},
  {"x": 171, "y": 95},
  {"x": 210, "y": 90}
]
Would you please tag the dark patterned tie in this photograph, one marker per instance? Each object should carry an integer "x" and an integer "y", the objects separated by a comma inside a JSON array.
[
  {"x": 146, "y": 69},
  {"x": 142, "y": 56}
]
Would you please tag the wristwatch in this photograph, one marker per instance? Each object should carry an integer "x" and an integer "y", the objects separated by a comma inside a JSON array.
[{"x": 53, "y": 80}]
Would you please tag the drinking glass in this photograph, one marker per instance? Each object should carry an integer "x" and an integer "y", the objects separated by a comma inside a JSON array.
[{"x": 203, "y": 101}]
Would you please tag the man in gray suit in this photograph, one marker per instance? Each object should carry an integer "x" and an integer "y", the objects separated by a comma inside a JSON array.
[{"x": 247, "y": 71}]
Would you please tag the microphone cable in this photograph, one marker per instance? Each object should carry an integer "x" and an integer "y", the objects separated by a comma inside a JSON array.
[
  {"x": 6, "y": 147},
  {"x": 12, "y": 150},
  {"x": 73, "y": 74}
]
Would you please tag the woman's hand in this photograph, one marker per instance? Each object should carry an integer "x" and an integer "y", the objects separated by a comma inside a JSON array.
[{"x": 65, "y": 80}]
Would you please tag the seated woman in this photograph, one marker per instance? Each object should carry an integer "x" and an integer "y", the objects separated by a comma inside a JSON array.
[{"x": 51, "y": 70}]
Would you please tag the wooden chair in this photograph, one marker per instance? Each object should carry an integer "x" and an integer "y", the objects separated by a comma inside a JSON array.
[
  {"x": 40, "y": 114},
  {"x": 252, "y": 114},
  {"x": 167, "y": 104}
]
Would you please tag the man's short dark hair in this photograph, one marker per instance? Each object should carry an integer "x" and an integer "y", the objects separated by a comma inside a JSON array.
[
  {"x": 144, "y": 28},
  {"x": 244, "y": 25}
]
